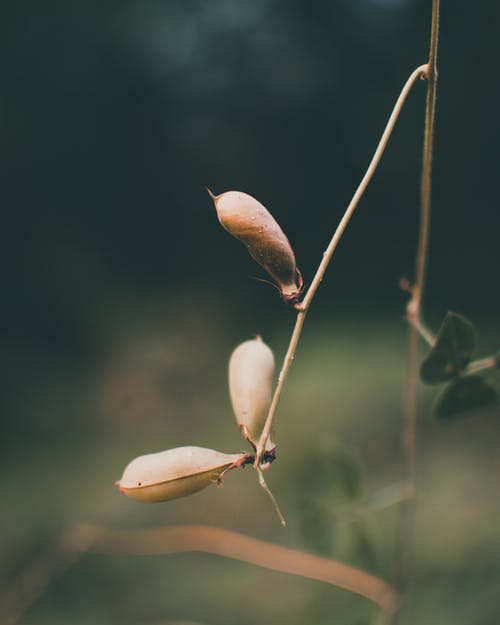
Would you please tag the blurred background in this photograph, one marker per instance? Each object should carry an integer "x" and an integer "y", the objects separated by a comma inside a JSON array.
[{"x": 123, "y": 297}]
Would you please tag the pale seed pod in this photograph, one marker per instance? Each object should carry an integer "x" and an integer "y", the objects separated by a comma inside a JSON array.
[
  {"x": 176, "y": 472},
  {"x": 251, "y": 372},
  {"x": 250, "y": 222}
]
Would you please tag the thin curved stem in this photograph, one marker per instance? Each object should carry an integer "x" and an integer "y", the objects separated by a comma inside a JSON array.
[
  {"x": 229, "y": 544},
  {"x": 419, "y": 72},
  {"x": 30, "y": 583},
  {"x": 266, "y": 488},
  {"x": 303, "y": 307}
]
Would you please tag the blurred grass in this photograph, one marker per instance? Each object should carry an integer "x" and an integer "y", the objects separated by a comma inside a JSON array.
[{"x": 163, "y": 384}]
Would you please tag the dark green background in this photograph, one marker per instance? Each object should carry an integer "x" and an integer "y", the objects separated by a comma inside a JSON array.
[{"x": 115, "y": 115}]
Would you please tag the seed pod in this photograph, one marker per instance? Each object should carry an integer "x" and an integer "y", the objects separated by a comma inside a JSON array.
[
  {"x": 251, "y": 371},
  {"x": 250, "y": 222},
  {"x": 175, "y": 472}
]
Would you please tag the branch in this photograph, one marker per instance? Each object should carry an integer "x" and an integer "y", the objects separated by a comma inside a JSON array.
[
  {"x": 17, "y": 596},
  {"x": 484, "y": 364},
  {"x": 413, "y": 312},
  {"x": 303, "y": 307},
  {"x": 229, "y": 544}
]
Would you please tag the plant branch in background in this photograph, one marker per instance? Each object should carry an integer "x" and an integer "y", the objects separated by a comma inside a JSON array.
[
  {"x": 229, "y": 544},
  {"x": 83, "y": 538},
  {"x": 406, "y": 529}
]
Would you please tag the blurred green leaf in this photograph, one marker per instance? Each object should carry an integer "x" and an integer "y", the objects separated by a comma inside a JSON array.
[
  {"x": 451, "y": 352},
  {"x": 316, "y": 527},
  {"x": 332, "y": 474},
  {"x": 363, "y": 547},
  {"x": 464, "y": 395},
  {"x": 342, "y": 472},
  {"x": 324, "y": 479}
]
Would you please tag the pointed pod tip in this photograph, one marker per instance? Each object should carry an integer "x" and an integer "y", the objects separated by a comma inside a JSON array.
[{"x": 212, "y": 195}]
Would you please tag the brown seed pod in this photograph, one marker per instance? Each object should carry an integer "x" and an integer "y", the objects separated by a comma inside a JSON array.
[
  {"x": 250, "y": 222},
  {"x": 176, "y": 472},
  {"x": 251, "y": 372}
]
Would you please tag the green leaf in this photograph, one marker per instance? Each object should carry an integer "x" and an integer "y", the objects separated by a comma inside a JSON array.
[
  {"x": 316, "y": 527},
  {"x": 451, "y": 352},
  {"x": 463, "y": 395}
]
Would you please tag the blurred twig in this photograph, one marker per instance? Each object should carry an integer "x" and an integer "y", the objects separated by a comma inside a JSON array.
[
  {"x": 229, "y": 544},
  {"x": 83, "y": 538},
  {"x": 484, "y": 364}
]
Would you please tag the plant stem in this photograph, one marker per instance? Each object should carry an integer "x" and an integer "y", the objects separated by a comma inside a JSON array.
[
  {"x": 409, "y": 445},
  {"x": 229, "y": 544},
  {"x": 425, "y": 332},
  {"x": 266, "y": 488},
  {"x": 483, "y": 364},
  {"x": 303, "y": 307},
  {"x": 426, "y": 182}
]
